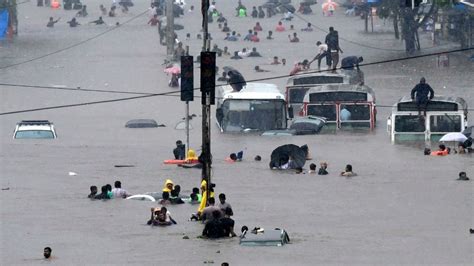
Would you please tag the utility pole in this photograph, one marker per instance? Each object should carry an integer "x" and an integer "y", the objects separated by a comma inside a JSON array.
[
  {"x": 207, "y": 87},
  {"x": 169, "y": 29}
]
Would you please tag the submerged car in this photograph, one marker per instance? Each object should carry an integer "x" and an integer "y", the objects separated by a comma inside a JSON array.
[
  {"x": 34, "y": 129},
  {"x": 308, "y": 125}
]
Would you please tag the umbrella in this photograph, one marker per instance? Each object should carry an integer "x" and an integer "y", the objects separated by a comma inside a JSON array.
[
  {"x": 329, "y": 5},
  {"x": 454, "y": 137},
  {"x": 173, "y": 70},
  {"x": 468, "y": 131},
  {"x": 236, "y": 80},
  {"x": 281, "y": 155}
]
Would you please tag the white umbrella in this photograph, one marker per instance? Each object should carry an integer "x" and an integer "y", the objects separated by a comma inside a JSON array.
[{"x": 454, "y": 137}]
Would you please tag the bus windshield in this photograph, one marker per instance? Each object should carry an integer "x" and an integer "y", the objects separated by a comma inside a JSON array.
[
  {"x": 326, "y": 111},
  {"x": 352, "y": 112},
  {"x": 409, "y": 123},
  {"x": 445, "y": 123},
  {"x": 260, "y": 115}
]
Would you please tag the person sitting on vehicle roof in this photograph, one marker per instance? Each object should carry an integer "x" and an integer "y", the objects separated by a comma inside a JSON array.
[{"x": 420, "y": 94}]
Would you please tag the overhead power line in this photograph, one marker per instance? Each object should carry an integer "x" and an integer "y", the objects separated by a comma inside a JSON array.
[{"x": 172, "y": 93}]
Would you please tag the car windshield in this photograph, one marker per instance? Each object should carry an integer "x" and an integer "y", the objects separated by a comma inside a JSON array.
[{"x": 34, "y": 134}]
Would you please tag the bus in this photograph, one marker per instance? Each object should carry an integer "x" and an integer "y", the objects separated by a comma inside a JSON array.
[
  {"x": 443, "y": 115},
  {"x": 298, "y": 85},
  {"x": 257, "y": 107},
  {"x": 342, "y": 105}
]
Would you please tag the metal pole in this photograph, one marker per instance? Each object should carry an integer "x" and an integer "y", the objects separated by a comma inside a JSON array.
[
  {"x": 206, "y": 109},
  {"x": 187, "y": 127},
  {"x": 169, "y": 29}
]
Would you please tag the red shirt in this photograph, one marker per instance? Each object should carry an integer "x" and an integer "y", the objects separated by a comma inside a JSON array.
[
  {"x": 254, "y": 38},
  {"x": 280, "y": 28}
]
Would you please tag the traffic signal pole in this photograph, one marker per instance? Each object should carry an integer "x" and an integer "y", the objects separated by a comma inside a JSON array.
[{"x": 206, "y": 102}]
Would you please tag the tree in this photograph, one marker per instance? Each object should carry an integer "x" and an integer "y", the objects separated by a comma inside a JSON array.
[{"x": 411, "y": 19}]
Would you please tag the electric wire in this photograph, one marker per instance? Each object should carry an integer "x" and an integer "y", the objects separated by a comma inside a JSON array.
[{"x": 145, "y": 95}]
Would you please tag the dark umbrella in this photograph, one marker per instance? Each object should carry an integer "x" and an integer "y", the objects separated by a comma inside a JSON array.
[
  {"x": 468, "y": 131},
  {"x": 281, "y": 155},
  {"x": 236, "y": 80}
]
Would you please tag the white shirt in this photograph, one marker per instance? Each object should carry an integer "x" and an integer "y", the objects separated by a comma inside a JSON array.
[
  {"x": 119, "y": 193},
  {"x": 212, "y": 8},
  {"x": 345, "y": 114},
  {"x": 244, "y": 54},
  {"x": 322, "y": 48}
]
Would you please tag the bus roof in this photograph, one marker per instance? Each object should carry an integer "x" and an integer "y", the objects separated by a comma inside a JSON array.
[
  {"x": 334, "y": 78},
  {"x": 438, "y": 103},
  {"x": 333, "y": 88},
  {"x": 259, "y": 91}
]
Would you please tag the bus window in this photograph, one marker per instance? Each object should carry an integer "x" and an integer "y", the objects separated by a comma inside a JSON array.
[
  {"x": 409, "y": 123},
  {"x": 296, "y": 95},
  {"x": 327, "y": 111},
  {"x": 445, "y": 123},
  {"x": 355, "y": 112}
]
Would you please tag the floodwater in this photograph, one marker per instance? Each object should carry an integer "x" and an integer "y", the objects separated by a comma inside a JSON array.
[{"x": 402, "y": 208}]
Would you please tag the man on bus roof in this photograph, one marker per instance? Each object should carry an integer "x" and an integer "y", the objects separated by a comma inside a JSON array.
[{"x": 420, "y": 94}]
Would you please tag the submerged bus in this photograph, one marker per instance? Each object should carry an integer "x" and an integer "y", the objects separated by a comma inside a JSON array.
[
  {"x": 443, "y": 115},
  {"x": 257, "y": 107},
  {"x": 298, "y": 85},
  {"x": 343, "y": 105}
]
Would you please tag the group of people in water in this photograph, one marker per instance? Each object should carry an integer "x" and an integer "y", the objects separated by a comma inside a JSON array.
[
  {"x": 82, "y": 13},
  {"x": 107, "y": 192}
]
